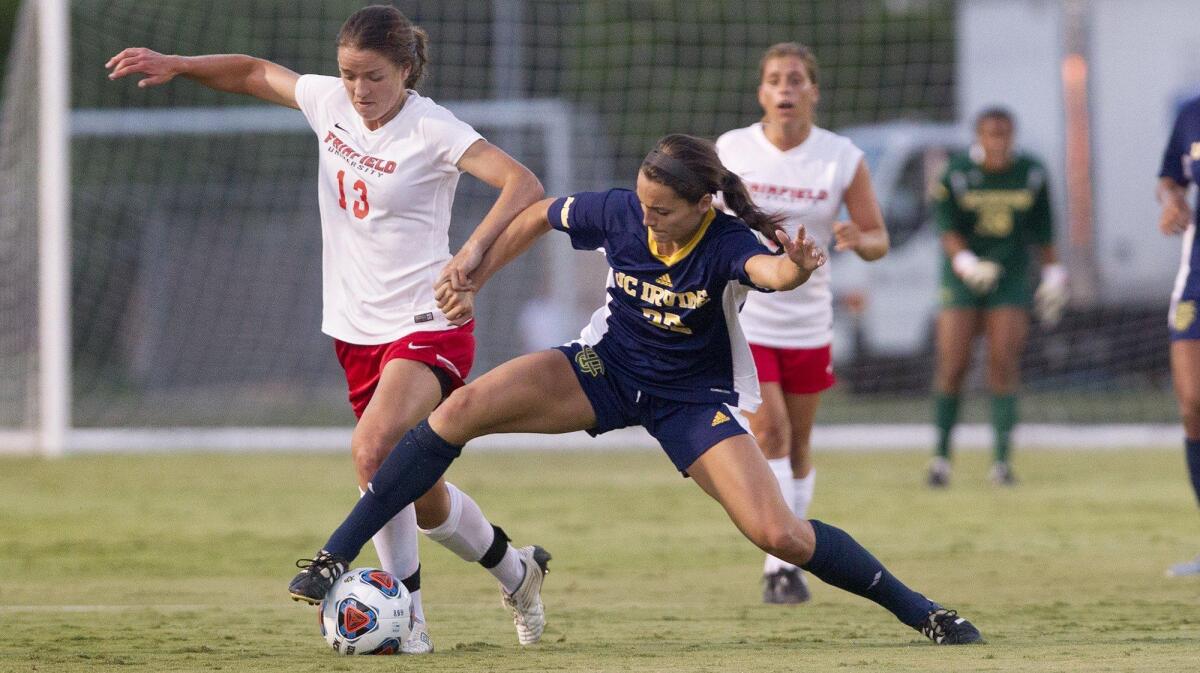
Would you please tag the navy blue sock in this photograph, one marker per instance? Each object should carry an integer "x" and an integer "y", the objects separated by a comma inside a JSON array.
[
  {"x": 841, "y": 561},
  {"x": 1193, "y": 463},
  {"x": 411, "y": 469}
]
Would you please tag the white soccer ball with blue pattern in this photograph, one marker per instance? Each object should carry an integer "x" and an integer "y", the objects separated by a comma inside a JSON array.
[{"x": 367, "y": 611}]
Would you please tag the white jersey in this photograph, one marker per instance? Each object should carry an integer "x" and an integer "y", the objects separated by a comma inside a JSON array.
[
  {"x": 385, "y": 198},
  {"x": 806, "y": 184}
]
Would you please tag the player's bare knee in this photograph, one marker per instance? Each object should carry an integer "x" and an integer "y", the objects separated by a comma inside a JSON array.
[
  {"x": 785, "y": 540},
  {"x": 367, "y": 458},
  {"x": 461, "y": 405},
  {"x": 464, "y": 415},
  {"x": 774, "y": 439}
]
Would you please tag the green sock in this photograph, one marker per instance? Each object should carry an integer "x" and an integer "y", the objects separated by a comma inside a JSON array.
[
  {"x": 945, "y": 414},
  {"x": 1004, "y": 418}
]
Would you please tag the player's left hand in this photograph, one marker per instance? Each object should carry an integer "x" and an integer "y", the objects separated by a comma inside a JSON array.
[
  {"x": 803, "y": 250},
  {"x": 457, "y": 305},
  {"x": 1051, "y": 296},
  {"x": 847, "y": 236},
  {"x": 458, "y": 270}
]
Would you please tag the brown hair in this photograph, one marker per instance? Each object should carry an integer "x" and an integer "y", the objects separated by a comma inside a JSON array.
[
  {"x": 796, "y": 49},
  {"x": 690, "y": 166},
  {"x": 385, "y": 29}
]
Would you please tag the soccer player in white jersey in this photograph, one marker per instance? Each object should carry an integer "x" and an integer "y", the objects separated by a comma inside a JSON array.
[
  {"x": 390, "y": 160},
  {"x": 805, "y": 173}
]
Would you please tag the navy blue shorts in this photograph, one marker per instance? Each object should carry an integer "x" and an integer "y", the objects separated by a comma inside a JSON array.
[
  {"x": 684, "y": 430},
  {"x": 1181, "y": 318}
]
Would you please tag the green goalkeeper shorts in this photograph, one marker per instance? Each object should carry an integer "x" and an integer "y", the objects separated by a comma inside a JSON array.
[{"x": 1011, "y": 290}]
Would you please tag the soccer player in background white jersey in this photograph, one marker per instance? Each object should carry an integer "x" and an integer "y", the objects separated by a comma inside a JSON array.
[
  {"x": 805, "y": 173},
  {"x": 389, "y": 164}
]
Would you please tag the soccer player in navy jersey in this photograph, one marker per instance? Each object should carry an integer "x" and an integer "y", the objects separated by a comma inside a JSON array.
[
  {"x": 666, "y": 353},
  {"x": 1180, "y": 168}
]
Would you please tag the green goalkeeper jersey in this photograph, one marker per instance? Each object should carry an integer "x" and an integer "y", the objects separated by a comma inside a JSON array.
[{"x": 998, "y": 214}]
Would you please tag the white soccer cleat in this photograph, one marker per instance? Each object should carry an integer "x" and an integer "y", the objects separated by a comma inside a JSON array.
[
  {"x": 525, "y": 603},
  {"x": 1185, "y": 569},
  {"x": 418, "y": 642},
  {"x": 939, "y": 473}
]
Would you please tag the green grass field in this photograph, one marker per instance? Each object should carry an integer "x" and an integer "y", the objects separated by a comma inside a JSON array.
[{"x": 166, "y": 563}]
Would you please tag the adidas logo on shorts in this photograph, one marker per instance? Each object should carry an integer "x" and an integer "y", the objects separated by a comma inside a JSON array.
[{"x": 719, "y": 418}]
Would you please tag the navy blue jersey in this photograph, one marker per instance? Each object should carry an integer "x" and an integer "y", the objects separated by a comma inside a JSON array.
[
  {"x": 670, "y": 323},
  {"x": 1181, "y": 163},
  {"x": 1181, "y": 159}
]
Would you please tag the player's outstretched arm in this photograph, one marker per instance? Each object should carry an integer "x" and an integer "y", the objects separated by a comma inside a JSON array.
[
  {"x": 233, "y": 73},
  {"x": 801, "y": 257},
  {"x": 519, "y": 188},
  {"x": 516, "y": 239},
  {"x": 864, "y": 232}
]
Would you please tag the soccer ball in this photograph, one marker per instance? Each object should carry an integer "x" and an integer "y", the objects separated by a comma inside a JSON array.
[{"x": 367, "y": 611}]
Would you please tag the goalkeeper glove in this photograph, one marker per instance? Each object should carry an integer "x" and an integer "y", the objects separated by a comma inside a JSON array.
[
  {"x": 1051, "y": 296},
  {"x": 979, "y": 275}
]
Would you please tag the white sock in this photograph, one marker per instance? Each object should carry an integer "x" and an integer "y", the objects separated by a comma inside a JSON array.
[
  {"x": 396, "y": 545},
  {"x": 803, "y": 489},
  {"x": 468, "y": 533},
  {"x": 782, "y": 469}
]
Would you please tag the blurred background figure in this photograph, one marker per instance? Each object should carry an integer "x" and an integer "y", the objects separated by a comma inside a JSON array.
[
  {"x": 992, "y": 205},
  {"x": 797, "y": 169},
  {"x": 1180, "y": 165}
]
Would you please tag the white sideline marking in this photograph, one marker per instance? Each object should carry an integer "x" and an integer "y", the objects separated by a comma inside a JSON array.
[
  {"x": 848, "y": 437},
  {"x": 8, "y": 609}
]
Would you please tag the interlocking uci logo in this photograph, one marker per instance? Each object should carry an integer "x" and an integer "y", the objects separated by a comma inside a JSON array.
[
  {"x": 1185, "y": 315},
  {"x": 589, "y": 362}
]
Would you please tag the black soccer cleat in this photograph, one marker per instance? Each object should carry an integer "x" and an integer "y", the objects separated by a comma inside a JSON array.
[
  {"x": 785, "y": 586},
  {"x": 945, "y": 627},
  {"x": 317, "y": 576}
]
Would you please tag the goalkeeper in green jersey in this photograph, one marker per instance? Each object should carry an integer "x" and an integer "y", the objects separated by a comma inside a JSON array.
[{"x": 992, "y": 206}]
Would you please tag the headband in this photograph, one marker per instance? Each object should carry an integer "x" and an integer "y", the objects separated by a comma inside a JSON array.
[{"x": 675, "y": 168}]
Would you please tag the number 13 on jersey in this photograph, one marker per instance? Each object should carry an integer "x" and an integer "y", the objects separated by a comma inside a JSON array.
[{"x": 361, "y": 206}]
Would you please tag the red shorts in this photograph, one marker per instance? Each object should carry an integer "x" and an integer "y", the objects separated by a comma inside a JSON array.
[
  {"x": 799, "y": 371},
  {"x": 451, "y": 351}
]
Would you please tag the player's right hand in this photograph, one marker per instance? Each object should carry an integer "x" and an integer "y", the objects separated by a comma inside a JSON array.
[
  {"x": 1175, "y": 217},
  {"x": 157, "y": 68},
  {"x": 458, "y": 306},
  {"x": 979, "y": 275}
]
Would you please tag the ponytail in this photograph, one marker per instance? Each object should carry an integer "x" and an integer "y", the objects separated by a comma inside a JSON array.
[
  {"x": 737, "y": 198},
  {"x": 690, "y": 166}
]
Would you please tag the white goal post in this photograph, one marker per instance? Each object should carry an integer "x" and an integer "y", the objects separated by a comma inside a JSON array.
[{"x": 553, "y": 119}]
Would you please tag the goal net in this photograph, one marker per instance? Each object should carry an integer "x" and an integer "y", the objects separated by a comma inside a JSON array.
[{"x": 194, "y": 232}]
